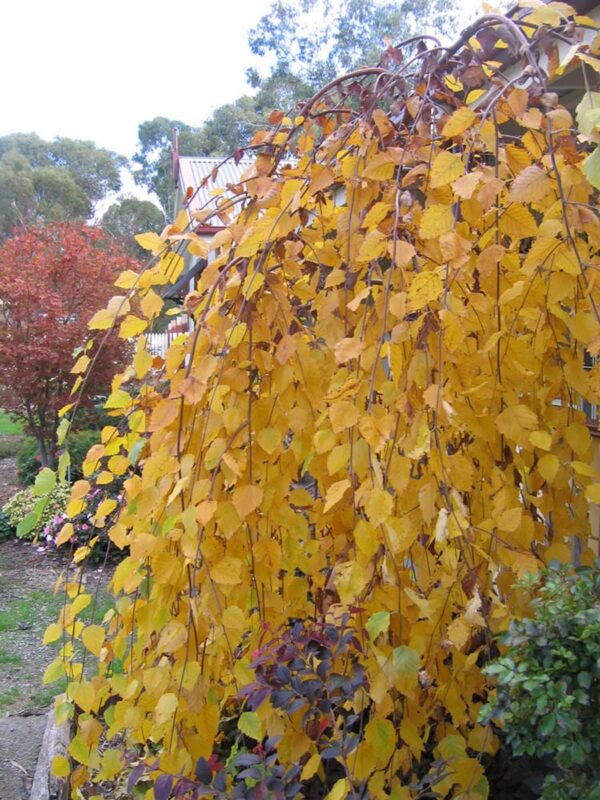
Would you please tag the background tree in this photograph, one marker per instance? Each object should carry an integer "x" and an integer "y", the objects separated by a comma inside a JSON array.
[
  {"x": 52, "y": 279},
  {"x": 44, "y": 181},
  {"x": 309, "y": 45},
  {"x": 153, "y": 161},
  {"x": 129, "y": 216},
  {"x": 315, "y": 40}
]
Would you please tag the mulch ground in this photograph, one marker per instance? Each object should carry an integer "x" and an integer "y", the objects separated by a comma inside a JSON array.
[{"x": 8, "y": 473}]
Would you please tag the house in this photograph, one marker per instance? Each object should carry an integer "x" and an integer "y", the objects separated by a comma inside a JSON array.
[{"x": 203, "y": 191}]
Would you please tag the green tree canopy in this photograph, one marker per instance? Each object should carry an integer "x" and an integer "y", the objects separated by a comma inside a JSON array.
[
  {"x": 315, "y": 40},
  {"x": 43, "y": 181},
  {"x": 128, "y": 216}
]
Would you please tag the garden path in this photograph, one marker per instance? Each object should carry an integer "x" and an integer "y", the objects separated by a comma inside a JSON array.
[{"x": 28, "y": 575}]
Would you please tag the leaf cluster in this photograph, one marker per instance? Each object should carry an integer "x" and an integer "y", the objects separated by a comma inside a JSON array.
[{"x": 548, "y": 679}]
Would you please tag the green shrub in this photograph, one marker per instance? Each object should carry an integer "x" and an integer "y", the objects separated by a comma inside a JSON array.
[
  {"x": 547, "y": 698},
  {"x": 21, "y": 503},
  {"x": 79, "y": 443},
  {"x": 29, "y": 463},
  {"x": 7, "y": 531}
]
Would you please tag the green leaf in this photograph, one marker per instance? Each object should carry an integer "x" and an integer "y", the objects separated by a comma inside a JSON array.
[
  {"x": 591, "y": 167},
  {"x": 406, "y": 661},
  {"x": 63, "y": 463},
  {"x": 27, "y": 524},
  {"x": 250, "y": 725},
  {"x": 44, "y": 482},
  {"x": 378, "y": 623},
  {"x": 62, "y": 430},
  {"x": 453, "y": 747},
  {"x": 135, "y": 451}
]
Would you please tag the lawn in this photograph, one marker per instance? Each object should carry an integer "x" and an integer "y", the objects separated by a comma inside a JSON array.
[{"x": 9, "y": 426}]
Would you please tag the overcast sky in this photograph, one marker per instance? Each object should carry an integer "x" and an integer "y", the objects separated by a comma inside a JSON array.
[{"x": 95, "y": 70}]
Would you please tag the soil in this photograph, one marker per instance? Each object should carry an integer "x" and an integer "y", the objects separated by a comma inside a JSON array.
[
  {"x": 8, "y": 476},
  {"x": 20, "y": 741}
]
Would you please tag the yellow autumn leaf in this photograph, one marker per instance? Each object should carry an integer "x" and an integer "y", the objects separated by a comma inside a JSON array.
[
  {"x": 381, "y": 166},
  {"x": 436, "y": 220},
  {"x": 530, "y": 185},
  {"x": 517, "y": 222},
  {"x": 93, "y": 637},
  {"x": 132, "y": 326},
  {"x": 446, "y": 167},
  {"x": 60, "y": 767},
  {"x": 541, "y": 439},
  {"x": 151, "y": 304},
  {"x": 269, "y": 439},
  {"x": 343, "y": 414},
  {"x": 517, "y": 422},
  {"x": 311, "y": 767},
  {"x": 378, "y": 506},
  {"x": 548, "y": 466},
  {"x": 339, "y": 790},
  {"x": 150, "y": 241},
  {"x": 458, "y": 122},
  {"x": 592, "y": 493},
  {"x": 102, "y": 320},
  {"x": 52, "y": 633},
  {"x": 335, "y": 493},
  {"x": 252, "y": 284},
  {"x": 425, "y": 288},
  {"x": 347, "y": 349},
  {"x": 228, "y": 571},
  {"x": 165, "y": 708},
  {"x": 66, "y": 533},
  {"x": 246, "y": 499}
]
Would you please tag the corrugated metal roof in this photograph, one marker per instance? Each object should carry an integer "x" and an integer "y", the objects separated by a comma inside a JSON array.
[{"x": 192, "y": 171}]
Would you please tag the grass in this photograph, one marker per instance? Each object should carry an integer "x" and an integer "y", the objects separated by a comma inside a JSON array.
[
  {"x": 9, "y": 426},
  {"x": 29, "y": 610},
  {"x": 9, "y": 658},
  {"x": 43, "y": 698},
  {"x": 8, "y": 697},
  {"x": 27, "y": 606}
]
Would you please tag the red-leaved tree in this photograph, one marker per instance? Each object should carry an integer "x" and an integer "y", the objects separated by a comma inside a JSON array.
[{"x": 52, "y": 280}]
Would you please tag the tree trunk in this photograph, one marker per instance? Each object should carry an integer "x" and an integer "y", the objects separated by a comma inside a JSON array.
[{"x": 46, "y": 453}]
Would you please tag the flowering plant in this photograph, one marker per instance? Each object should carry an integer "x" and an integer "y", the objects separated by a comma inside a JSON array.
[
  {"x": 83, "y": 523},
  {"x": 21, "y": 503}
]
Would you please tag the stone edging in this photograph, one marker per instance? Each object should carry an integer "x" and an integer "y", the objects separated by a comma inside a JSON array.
[{"x": 54, "y": 743}]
